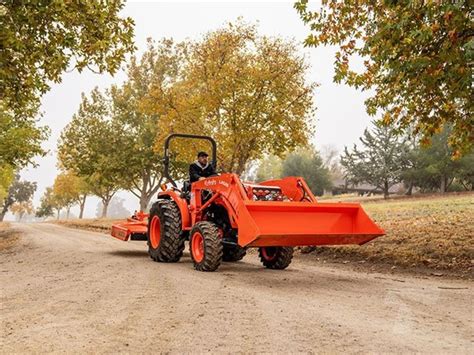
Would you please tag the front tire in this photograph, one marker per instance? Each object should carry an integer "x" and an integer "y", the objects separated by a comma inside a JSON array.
[
  {"x": 205, "y": 246},
  {"x": 165, "y": 243},
  {"x": 277, "y": 258}
]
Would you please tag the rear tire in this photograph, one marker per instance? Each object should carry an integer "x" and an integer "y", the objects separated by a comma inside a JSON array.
[
  {"x": 277, "y": 258},
  {"x": 205, "y": 246},
  {"x": 165, "y": 243},
  {"x": 233, "y": 253}
]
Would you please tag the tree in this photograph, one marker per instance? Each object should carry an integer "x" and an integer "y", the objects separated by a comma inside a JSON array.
[
  {"x": 136, "y": 129},
  {"x": 22, "y": 208},
  {"x": 41, "y": 39},
  {"x": 46, "y": 204},
  {"x": 83, "y": 189},
  {"x": 6, "y": 177},
  {"x": 433, "y": 169},
  {"x": 247, "y": 91},
  {"x": 90, "y": 147},
  {"x": 308, "y": 164},
  {"x": 116, "y": 209},
  {"x": 66, "y": 191},
  {"x": 417, "y": 55},
  {"x": 20, "y": 139},
  {"x": 330, "y": 156},
  {"x": 19, "y": 191},
  {"x": 70, "y": 189},
  {"x": 269, "y": 168},
  {"x": 381, "y": 160}
]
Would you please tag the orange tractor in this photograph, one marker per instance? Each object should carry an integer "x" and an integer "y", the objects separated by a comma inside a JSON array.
[{"x": 222, "y": 216}]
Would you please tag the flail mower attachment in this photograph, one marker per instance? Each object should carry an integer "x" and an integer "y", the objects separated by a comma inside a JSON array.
[{"x": 135, "y": 228}]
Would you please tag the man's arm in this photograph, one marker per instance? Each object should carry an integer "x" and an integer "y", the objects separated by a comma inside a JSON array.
[{"x": 194, "y": 173}]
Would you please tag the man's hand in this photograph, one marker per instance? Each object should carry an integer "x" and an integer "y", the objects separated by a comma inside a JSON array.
[{"x": 201, "y": 178}]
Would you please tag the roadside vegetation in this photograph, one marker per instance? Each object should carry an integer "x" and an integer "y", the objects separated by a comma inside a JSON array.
[
  {"x": 8, "y": 237},
  {"x": 433, "y": 232}
]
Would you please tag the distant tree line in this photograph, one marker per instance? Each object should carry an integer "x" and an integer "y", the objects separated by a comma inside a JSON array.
[
  {"x": 383, "y": 159},
  {"x": 386, "y": 158}
]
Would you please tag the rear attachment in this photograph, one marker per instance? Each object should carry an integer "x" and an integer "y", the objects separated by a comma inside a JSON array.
[{"x": 135, "y": 228}]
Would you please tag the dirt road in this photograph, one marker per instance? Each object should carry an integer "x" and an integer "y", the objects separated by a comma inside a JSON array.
[{"x": 67, "y": 290}]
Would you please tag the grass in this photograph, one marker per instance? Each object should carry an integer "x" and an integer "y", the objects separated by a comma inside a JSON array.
[
  {"x": 434, "y": 232},
  {"x": 96, "y": 225}
]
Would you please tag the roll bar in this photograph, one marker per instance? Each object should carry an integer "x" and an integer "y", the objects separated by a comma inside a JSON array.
[{"x": 166, "y": 157}]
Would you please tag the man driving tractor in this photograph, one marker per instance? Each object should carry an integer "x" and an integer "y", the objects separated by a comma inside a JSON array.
[{"x": 201, "y": 168}]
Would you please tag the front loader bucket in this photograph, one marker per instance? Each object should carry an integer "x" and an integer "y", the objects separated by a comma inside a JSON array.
[{"x": 300, "y": 223}]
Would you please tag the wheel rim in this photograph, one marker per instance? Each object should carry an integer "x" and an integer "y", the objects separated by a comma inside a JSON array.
[
  {"x": 197, "y": 247},
  {"x": 268, "y": 253},
  {"x": 155, "y": 232}
]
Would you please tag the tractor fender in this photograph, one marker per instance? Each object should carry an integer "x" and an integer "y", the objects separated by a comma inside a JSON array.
[{"x": 182, "y": 205}]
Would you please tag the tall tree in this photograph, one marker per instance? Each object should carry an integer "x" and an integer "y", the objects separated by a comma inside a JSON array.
[
  {"x": 137, "y": 129},
  {"x": 41, "y": 39},
  {"x": 116, "y": 209},
  {"x": 46, "y": 204},
  {"x": 90, "y": 148},
  {"x": 418, "y": 60},
  {"x": 66, "y": 190},
  {"x": 308, "y": 164},
  {"x": 246, "y": 90},
  {"x": 433, "y": 168},
  {"x": 19, "y": 191},
  {"x": 381, "y": 160},
  {"x": 21, "y": 208}
]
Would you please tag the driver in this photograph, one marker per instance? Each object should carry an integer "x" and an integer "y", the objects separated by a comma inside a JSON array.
[{"x": 201, "y": 168}]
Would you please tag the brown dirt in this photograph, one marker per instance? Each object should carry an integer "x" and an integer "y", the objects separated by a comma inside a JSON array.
[{"x": 74, "y": 291}]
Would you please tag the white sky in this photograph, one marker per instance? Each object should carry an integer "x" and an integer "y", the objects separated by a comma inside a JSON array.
[{"x": 340, "y": 115}]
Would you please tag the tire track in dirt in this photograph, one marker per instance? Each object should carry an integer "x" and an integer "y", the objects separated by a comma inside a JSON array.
[{"x": 66, "y": 290}]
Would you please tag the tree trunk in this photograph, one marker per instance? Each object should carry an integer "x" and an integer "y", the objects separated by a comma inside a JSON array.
[
  {"x": 385, "y": 190},
  {"x": 82, "y": 204},
  {"x": 67, "y": 212},
  {"x": 2, "y": 215},
  {"x": 59, "y": 211},
  {"x": 105, "y": 206},
  {"x": 144, "y": 200},
  {"x": 409, "y": 189},
  {"x": 443, "y": 184}
]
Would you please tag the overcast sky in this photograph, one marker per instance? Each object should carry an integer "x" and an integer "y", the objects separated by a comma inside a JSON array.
[{"x": 340, "y": 115}]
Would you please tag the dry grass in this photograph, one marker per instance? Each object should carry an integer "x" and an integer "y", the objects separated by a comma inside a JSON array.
[
  {"x": 435, "y": 232},
  {"x": 96, "y": 225},
  {"x": 8, "y": 236}
]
